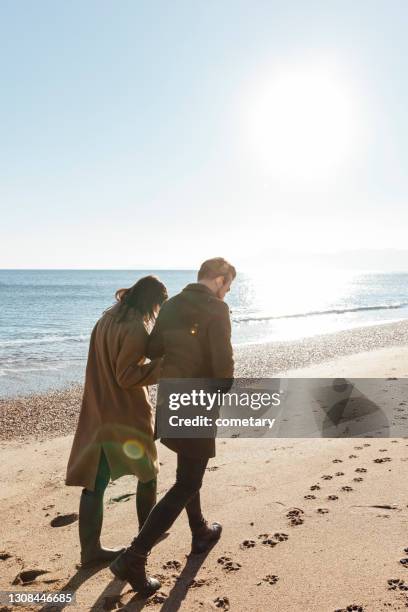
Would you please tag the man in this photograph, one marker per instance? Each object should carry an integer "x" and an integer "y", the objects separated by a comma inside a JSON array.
[{"x": 193, "y": 335}]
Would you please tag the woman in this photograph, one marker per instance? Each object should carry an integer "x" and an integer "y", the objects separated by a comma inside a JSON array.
[{"x": 115, "y": 430}]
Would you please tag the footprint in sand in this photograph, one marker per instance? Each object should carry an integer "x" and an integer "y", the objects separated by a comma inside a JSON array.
[
  {"x": 247, "y": 544},
  {"x": 222, "y": 602},
  {"x": 339, "y": 474},
  {"x": 64, "y": 519},
  {"x": 395, "y": 584},
  {"x": 315, "y": 487},
  {"x": 346, "y": 488},
  {"x": 358, "y": 448},
  {"x": 28, "y": 576},
  {"x": 332, "y": 497},
  {"x": 4, "y": 555},
  {"x": 382, "y": 459},
  {"x": 270, "y": 579},
  {"x": 358, "y": 479},
  {"x": 269, "y": 542},
  {"x": 404, "y": 562},
  {"x": 158, "y": 598},
  {"x": 361, "y": 470},
  {"x": 337, "y": 461},
  {"x": 322, "y": 511},
  {"x": 366, "y": 444},
  {"x": 310, "y": 497},
  {"x": 326, "y": 477},
  {"x": 352, "y": 456},
  {"x": 172, "y": 565},
  {"x": 294, "y": 512},
  {"x": 228, "y": 564},
  {"x": 295, "y": 517},
  {"x": 351, "y": 608},
  {"x": 281, "y": 537}
]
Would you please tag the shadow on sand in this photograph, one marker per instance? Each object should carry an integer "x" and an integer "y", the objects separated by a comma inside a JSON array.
[
  {"x": 73, "y": 584},
  {"x": 180, "y": 589},
  {"x": 173, "y": 601},
  {"x": 111, "y": 596}
]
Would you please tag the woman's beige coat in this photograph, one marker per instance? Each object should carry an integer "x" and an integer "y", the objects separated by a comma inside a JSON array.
[{"x": 116, "y": 414}]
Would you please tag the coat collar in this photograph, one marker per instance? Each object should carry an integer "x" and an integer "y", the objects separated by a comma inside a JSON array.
[{"x": 200, "y": 288}]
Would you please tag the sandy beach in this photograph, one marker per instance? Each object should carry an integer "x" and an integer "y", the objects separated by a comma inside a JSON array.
[{"x": 310, "y": 525}]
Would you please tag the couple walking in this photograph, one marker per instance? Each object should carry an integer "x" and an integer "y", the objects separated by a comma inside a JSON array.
[{"x": 191, "y": 338}]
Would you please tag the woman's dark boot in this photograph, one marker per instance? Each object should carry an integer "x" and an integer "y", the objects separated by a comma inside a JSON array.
[
  {"x": 205, "y": 537},
  {"x": 146, "y": 498},
  {"x": 90, "y": 527},
  {"x": 131, "y": 567}
]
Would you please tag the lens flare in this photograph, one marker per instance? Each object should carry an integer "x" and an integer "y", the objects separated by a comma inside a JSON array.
[{"x": 133, "y": 449}]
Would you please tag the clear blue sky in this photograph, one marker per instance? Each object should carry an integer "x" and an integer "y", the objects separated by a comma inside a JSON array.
[{"x": 131, "y": 134}]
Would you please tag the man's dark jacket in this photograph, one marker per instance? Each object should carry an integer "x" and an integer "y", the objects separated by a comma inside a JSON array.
[{"x": 193, "y": 335}]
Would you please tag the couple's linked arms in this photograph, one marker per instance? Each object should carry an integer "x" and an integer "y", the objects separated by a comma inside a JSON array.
[{"x": 130, "y": 369}]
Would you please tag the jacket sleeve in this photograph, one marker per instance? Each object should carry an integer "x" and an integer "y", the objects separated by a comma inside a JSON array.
[
  {"x": 219, "y": 333},
  {"x": 130, "y": 370},
  {"x": 155, "y": 344}
]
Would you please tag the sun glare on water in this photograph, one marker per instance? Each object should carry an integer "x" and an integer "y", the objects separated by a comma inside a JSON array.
[{"x": 301, "y": 123}]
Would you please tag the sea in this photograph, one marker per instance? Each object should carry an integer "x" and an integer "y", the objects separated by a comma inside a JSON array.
[{"x": 46, "y": 316}]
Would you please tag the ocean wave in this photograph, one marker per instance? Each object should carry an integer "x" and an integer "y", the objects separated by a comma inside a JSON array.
[
  {"x": 23, "y": 369},
  {"x": 45, "y": 340},
  {"x": 312, "y": 313}
]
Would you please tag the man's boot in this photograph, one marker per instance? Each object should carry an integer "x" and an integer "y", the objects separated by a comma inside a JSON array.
[
  {"x": 131, "y": 567},
  {"x": 205, "y": 537},
  {"x": 90, "y": 527}
]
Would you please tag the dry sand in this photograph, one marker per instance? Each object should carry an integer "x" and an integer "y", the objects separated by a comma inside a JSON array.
[{"x": 286, "y": 545}]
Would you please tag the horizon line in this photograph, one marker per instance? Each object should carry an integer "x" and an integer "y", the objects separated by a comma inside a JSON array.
[{"x": 96, "y": 269}]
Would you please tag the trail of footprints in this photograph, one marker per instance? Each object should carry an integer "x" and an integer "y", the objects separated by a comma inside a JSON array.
[
  {"x": 394, "y": 584},
  {"x": 295, "y": 517},
  {"x": 228, "y": 565},
  {"x": 398, "y": 584},
  {"x": 344, "y": 488}
]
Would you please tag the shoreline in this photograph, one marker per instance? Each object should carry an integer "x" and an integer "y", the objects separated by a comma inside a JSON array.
[
  {"x": 54, "y": 413},
  {"x": 314, "y": 350}
]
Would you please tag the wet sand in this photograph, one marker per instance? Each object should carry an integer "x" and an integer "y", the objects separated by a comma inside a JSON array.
[{"x": 310, "y": 525}]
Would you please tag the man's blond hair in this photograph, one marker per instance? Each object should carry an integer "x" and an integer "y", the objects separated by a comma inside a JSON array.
[{"x": 217, "y": 266}]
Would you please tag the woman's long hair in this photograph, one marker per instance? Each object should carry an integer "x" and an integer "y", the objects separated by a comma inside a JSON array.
[{"x": 144, "y": 296}]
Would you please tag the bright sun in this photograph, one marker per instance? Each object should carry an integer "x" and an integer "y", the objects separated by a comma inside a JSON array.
[{"x": 302, "y": 124}]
